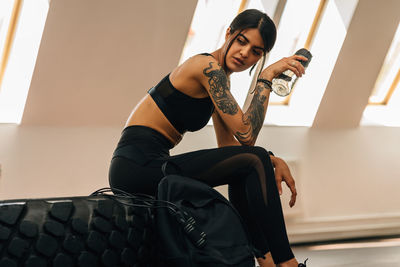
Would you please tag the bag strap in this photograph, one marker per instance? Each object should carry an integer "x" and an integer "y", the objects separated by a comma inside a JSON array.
[
  {"x": 175, "y": 166},
  {"x": 257, "y": 253}
]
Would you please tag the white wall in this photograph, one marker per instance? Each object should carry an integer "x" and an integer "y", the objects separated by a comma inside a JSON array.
[
  {"x": 347, "y": 180},
  {"x": 54, "y": 161}
]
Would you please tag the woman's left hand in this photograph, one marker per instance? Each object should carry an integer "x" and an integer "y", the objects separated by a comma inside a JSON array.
[
  {"x": 287, "y": 63},
  {"x": 282, "y": 173}
]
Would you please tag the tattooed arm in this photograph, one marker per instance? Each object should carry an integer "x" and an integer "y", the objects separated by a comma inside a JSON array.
[
  {"x": 255, "y": 114},
  {"x": 245, "y": 126}
]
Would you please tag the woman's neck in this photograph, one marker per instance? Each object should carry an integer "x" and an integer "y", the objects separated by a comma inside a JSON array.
[{"x": 219, "y": 56}]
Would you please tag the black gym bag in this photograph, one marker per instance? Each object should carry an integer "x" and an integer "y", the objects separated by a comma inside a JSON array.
[{"x": 202, "y": 229}]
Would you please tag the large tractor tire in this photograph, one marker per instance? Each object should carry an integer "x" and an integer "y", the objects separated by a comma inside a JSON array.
[{"x": 76, "y": 231}]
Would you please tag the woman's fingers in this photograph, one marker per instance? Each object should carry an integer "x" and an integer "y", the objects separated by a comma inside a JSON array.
[
  {"x": 294, "y": 69},
  {"x": 302, "y": 58},
  {"x": 290, "y": 183},
  {"x": 287, "y": 63},
  {"x": 282, "y": 173},
  {"x": 279, "y": 179},
  {"x": 279, "y": 185},
  {"x": 295, "y": 66},
  {"x": 294, "y": 193}
]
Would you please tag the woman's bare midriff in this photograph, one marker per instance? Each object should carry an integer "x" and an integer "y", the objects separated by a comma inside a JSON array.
[{"x": 147, "y": 113}]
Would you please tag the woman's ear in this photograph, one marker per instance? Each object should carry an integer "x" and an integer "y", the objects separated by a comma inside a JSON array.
[{"x": 228, "y": 33}]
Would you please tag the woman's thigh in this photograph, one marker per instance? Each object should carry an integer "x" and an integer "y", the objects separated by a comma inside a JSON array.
[
  {"x": 127, "y": 175},
  {"x": 216, "y": 167},
  {"x": 223, "y": 165}
]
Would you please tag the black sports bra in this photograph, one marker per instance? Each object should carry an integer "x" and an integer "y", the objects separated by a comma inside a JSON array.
[{"x": 184, "y": 112}]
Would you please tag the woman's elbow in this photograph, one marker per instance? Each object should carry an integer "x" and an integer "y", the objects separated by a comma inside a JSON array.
[
  {"x": 247, "y": 142},
  {"x": 246, "y": 138}
]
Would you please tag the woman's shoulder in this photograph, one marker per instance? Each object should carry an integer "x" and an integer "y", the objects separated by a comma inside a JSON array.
[
  {"x": 188, "y": 76},
  {"x": 198, "y": 63},
  {"x": 205, "y": 58}
]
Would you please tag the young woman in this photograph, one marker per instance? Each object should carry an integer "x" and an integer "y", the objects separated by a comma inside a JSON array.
[{"x": 184, "y": 101}]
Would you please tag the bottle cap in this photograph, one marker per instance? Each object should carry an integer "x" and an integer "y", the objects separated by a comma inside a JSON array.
[{"x": 305, "y": 53}]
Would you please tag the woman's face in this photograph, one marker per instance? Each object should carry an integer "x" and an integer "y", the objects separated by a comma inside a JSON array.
[{"x": 246, "y": 49}]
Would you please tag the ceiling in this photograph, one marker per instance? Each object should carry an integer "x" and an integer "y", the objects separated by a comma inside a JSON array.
[{"x": 98, "y": 58}]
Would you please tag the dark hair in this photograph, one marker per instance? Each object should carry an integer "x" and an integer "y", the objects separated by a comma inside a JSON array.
[{"x": 253, "y": 18}]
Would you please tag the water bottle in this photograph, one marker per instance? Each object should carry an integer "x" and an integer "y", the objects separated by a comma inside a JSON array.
[{"x": 284, "y": 83}]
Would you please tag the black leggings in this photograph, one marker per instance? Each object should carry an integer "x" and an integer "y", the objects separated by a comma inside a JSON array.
[{"x": 136, "y": 168}]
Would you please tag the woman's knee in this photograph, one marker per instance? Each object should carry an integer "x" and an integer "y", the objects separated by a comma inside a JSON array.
[
  {"x": 261, "y": 153},
  {"x": 260, "y": 150}
]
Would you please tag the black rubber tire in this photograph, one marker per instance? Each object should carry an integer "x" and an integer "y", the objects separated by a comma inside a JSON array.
[{"x": 76, "y": 231}]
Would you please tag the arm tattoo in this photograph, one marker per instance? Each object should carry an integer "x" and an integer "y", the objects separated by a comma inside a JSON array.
[
  {"x": 255, "y": 114},
  {"x": 219, "y": 90}
]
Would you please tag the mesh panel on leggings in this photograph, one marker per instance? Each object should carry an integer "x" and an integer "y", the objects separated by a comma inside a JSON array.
[{"x": 233, "y": 169}]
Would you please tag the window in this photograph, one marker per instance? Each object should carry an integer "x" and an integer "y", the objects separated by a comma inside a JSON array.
[
  {"x": 9, "y": 11},
  {"x": 388, "y": 78},
  {"x": 384, "y": 102},
  {"x": 208, "y": 26},
  {"x": 21, "y": 28},
  {"x": 293, "y": 36},
  {"x": 326, "y": 34},
  {"x": 320, "y": 26}
]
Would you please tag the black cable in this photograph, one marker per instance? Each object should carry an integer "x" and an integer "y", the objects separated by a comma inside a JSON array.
[
  {"x": 187, "y": 222},
  {"x": 149, "y": 201}
]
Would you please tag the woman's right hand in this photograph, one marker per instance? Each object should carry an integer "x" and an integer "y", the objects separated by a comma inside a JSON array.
[{"x": 287, "y": 63}]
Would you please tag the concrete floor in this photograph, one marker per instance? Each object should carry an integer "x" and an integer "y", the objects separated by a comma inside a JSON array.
[{"x": 364, "y": 253}]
